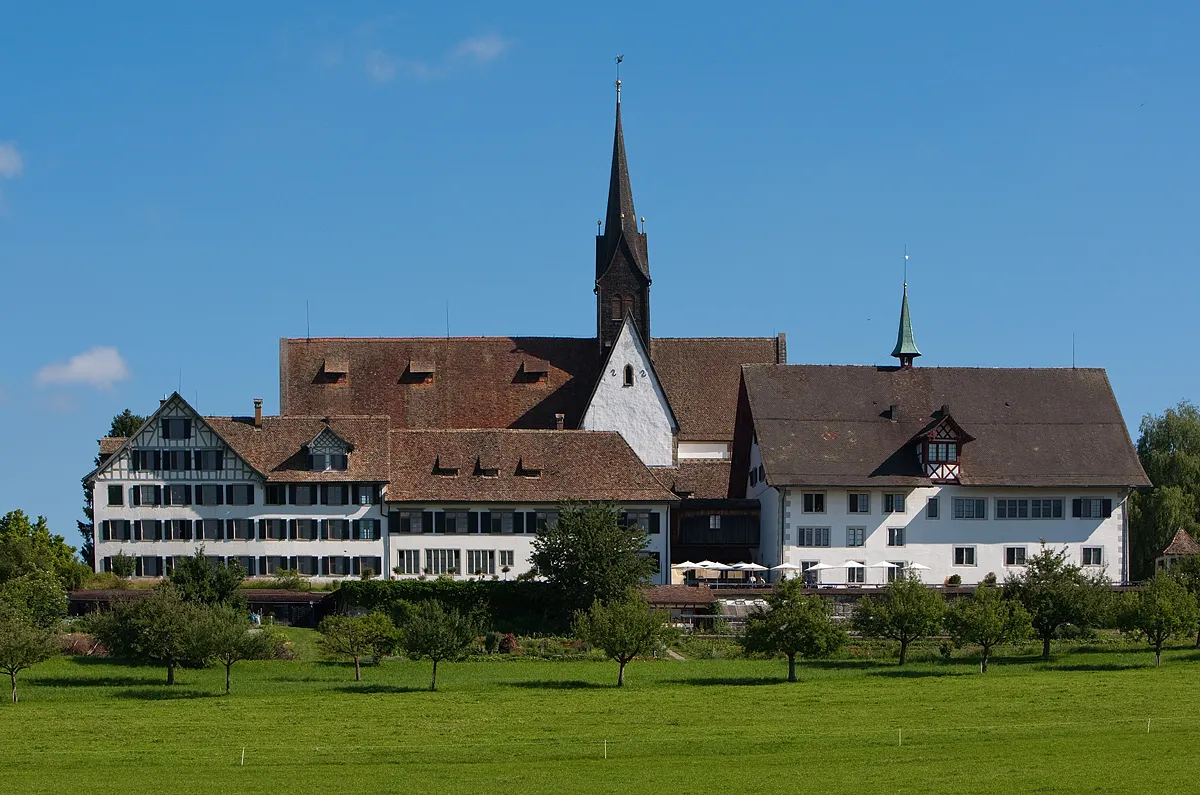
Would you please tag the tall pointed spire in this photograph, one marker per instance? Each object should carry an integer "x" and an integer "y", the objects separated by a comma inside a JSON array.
[{"x": 906, "y": 347}]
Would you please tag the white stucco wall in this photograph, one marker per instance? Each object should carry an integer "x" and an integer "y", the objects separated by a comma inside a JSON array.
[{"x": 640, "y": 412}]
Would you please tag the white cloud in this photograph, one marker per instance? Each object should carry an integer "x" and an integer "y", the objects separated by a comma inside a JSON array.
[
  {"x": 11, "y": 163},
  {"x": 481, "y": 49},
  {"x": 100, "y": 367},
  {"x": 380, "y": 66}
]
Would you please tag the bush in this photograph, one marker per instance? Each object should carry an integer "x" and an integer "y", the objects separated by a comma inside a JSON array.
[
  {"x": 509, "y": 645},
  {"x": 954, "y": 579},
  {"x": 510, "y": 606},
  {"x": 491, "y": 642}
]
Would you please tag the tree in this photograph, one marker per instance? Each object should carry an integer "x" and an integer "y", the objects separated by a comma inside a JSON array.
[
  {"x": 199, "y": 580},
  {"x": 123, "y": 425},
  {"x": 1056, "y": 593},
  {"x": 123, "y": 566},
  {"x": 39, "y": 595},
  {"x": 624, "y": 629},
  {"x": 23, "y": 643},
  {"x": 589, "y": 556},
  {"x": 794, "y": 625},
  {"x": 1169, "y": 449},
  {"x": 1187, "y": 571},
  {"x": 986, "y": 619},
  {"x": 438, "y": 634},
  {"x": 231, "y": 639},
  {"x": 358, "y": 636},
  {"x": 161, "y": 629},
  {"x": 1163, "y": 609},
  {"x": 27, "y": 546},
  {"x": 905, "y": 611}
]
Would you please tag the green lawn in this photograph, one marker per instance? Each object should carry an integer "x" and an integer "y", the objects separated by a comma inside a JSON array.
[{"x": 1075, "y": 725}]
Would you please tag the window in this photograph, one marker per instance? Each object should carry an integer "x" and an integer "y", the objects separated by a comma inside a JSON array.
[
  {"x": 964, "y": 556},
  {"x": 860, "y": 502},
  {"x": 306, "y": 565},
  {"x": 176, "y": 460},
  {"x": 1091, "y": 508},
  {"x": 812, "y": 536},
  {"x": 149, "y": 530},
  {"x": 810, "y": 577},
  {"x": 456, "y": 522},
  {"x": 338, "y": 529},
  {"x": 546, "y": 520},
  {"x": 931, "y": 508},
  {"x": 338, "y": 565},
  {"x": 211, "y": 530},
  {"x": 242, "y": 529},
  {"x": 339, "y": 461},
  {"x": 366, "y": 495},
  {"x": 307, "y": 530},
  {"x": 319, "y": 462},
  {"x": 855, "y": 574},
  {"x": 943, "y": 452},
  {"x": 145, "y": 460},
  {"x": 151, "y": 567},
  {"x": 210, "y": 460},
  {"x": 1012, "y": 509},
  {"x": 506, "y": 558},
  {"x": 410, "y": 561},
  {"x": 616, "y": 308},
  {"x": 176, "y": 428},
  {"x": 629, "y": 375},
  {"x": 639, "y": 518},
  {"x": 118, "y": 530},
  {"x": 1093, "y": 556},
  {"x": 442, "y": 561},
  {"x": 893, "y": 503},
  {"x": 627, "y": 304},
  {"x": 814, "y": 502},
  {"x": 336, "y": 494},
  {"x": 897, "y": 570},
  {"x": 177, "y": 495},
  {"x": 404, "y": 521},
  {"x": 481, "y": 561},
  {"x": 895, "y": 537},
  {"x": 208, "y": 494},
  {"x": 116, "y": 495},
  {"x": 1014, "y": 556},
  {"x": 714, "y": 521},
  {"x": 368, "y": 530},
  {"x": 753, "y": 477},
  {"x": 367, "y": 565},
  {"x": 275, "y": 494},
  {"x": 304, "y": 495},
  {"x": 968, "y": 508},
  {"x": 1046, "y": 509},
  {"x": 275, "y": 529},
  {"x": 178, "y": 530},
  {"x": 240, "y": 494},
  {"x": 145, "y": 495},
  {"x": 855, "y": 536}
]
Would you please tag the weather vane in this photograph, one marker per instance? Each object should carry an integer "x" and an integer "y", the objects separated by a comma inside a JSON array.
[
  {"x": 618, "y": 59},
  {"x": 906, "y": 265}
]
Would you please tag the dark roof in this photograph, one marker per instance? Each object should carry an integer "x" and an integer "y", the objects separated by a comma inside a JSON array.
[
  {"x": 830, "y": 425},
  {"x": 620, "y": 219},
  {"x": 478, "y": 382},
  {"x": 700, "y": 479},
  {"x": 678, "y": 595},
  {"x": 575, "y": 465},
  {"x": 1182, "y": 544},
  {"x": 277, "y": 449},
  {"x": 111, "y": 444}
]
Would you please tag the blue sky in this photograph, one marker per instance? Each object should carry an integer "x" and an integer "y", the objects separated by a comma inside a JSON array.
[{"x": 176, "y": 182}]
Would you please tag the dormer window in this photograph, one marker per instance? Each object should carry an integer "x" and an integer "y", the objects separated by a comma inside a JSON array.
[
  {"x": 939, "y": 448},
  {"x": 486, "y": 468},
  {"x": 444, "y": 468},
  {"x": 941, "y": 452},
  {"x": 325, "y": 462}
]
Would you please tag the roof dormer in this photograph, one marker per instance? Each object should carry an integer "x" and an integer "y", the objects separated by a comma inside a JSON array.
[
  {"x": 328, "y": 452},
  {"x": 939, "y": 448}
]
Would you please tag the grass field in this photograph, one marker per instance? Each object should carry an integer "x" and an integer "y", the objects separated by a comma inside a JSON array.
[{"x": 1077, "y": 724}]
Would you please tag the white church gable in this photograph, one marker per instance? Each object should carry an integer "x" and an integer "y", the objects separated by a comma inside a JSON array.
[{"x": 629, "y": 399}]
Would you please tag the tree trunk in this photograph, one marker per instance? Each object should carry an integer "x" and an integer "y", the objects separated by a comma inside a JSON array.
[
  {"x": 903, "y": 651},
  {"x": 171, "y": 674},
  {"x": 791, "y": 668},
  {"x": 433, "y": 681},
  {"x": 13, "y": 676},
  {"x": 1198, "y": 639},
  {"x": 1158, "y": 655},
  {"x": 227, "y": 667},
  {"x": 621, "y": 673},
  {"x": 983, "y": 665},
  {"x": 1045, "y": 647},
  {"x": 357, "y": 670}
]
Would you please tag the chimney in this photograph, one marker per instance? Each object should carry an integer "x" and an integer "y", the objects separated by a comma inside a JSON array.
[
  {"x": 559, "y": 419},
  {"x": 257, "y": 412},
  {"x": 894, "y": 413},
  {"x": 781, "y": 348},
  {"x": 162, "y": 402},
  {"x": 945, "y": 410}
]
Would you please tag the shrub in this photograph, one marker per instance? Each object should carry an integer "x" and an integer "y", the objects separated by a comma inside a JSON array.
[
  {"x": 491, "y": 642},
  {"x": 509, "y": 645},
  {"x": 954, "y": 579}
]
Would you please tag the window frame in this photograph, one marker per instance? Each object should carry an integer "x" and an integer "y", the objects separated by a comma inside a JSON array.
[
  {"x": 977, "y": 502},
  {"x": 933, "y": 509},
  {"x": 1010, "y": 556},
  {"x": 893, "y": 534},
  {"x": 891, "y": 499},
  {"x": 856, "y": 536},
  {"x": 1096, "y": 550},
  {"x": 119, "y": 491},
  {"x": 814, "y": 535},
  {"x": 965, "y": 548},
  {"x": 855, "y": 500},
  {"x": 813, "y": 498}
]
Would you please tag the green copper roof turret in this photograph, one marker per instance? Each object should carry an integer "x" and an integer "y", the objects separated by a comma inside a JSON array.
[{"x": 906, "y": 347}]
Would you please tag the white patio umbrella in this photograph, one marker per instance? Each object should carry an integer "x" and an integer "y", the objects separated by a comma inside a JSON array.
[
  {"x": 883, "y": 564},
  {"x": 917, "y": 567},
  {"x": 720, "y": 567},
  {"x": 820, "y": 567},
  {"x": 749, "y": 567},
  {"x": 788, "y": 567},
  {"x": 706, "y": 564},
  {"x": 687, "y": 564}
]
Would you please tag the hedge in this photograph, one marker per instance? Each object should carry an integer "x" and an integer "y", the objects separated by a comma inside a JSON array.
[{"x": 521, "y": 607}]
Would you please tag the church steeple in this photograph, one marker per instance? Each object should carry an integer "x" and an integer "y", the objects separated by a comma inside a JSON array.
[
  {"x": 622, "y": 264},
  {"x": 906, "y": 346}
]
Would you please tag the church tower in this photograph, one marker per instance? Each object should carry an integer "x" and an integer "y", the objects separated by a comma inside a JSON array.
[{"x": 622, "y": 266}]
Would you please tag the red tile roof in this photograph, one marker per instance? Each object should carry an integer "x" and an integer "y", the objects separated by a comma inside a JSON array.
[
  {"x": 1182, "y": 544},
  {"x": 277, "y": 448}
]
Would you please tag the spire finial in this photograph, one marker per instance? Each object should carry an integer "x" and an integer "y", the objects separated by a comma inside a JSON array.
[
  {"x": 618, "y": 59},
  {"x": 906, "y": 346},
  {"x": 906, "y": 269}
]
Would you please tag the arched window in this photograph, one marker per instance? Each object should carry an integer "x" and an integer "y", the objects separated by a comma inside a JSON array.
[
  {"x": 628, "y": 306},
  {"x": 629, "y": 375},
  {"x": 616, "y": 307}
]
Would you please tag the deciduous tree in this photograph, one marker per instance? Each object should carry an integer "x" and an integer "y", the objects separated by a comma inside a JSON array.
[
  {"x": 39, "y": 595},
  {"x": 1162, "y": 610},
  {"x": 358, "y": 636},
  {"x": 624, "y": 629},
  {"x": 794, "y": 625},
  {"x": 589, "y": 556},
  {"x": 231, "y": 639},
  {"x": 1169, "y": 449},
  {"x": 122, "y": 565},
  {"x": 1187, "y": 571},
  {"x": 27, "y": 546},
  {"x": 437, "y": 634},
  {"x": 1056, "y": 593},
  {"x": 905, "y": 611},
  {"x": 160, "y": 629},
  {"x": 199, "y": 580},
  {"x": 23, "y": 643},
  {"x": 986, "y": 619}
]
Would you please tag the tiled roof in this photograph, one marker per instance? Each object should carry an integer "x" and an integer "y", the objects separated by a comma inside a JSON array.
[
  {"x": 699, "y": 479},
  {"x": 575, "y": 465},
  {"x": 277, "y": 448},
  {"x": 1182, "y": 544},
  {"x": 830, "y": 425},
  {"x": 678, "y": 595},
  {"x": 481, "y": 382},
  {"x": 111, "y": 444}
]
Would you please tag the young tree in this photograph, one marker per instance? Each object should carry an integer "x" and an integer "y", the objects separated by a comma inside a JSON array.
[
  {"x": 27, "y": 546},
  {"x": 40, "y": 595},
  {"x": 1056, "y": 592},
  {"x": 358, "y": 636},
  {"x": 794, "y": 625},
  {"x": 161, "y": 629},
  {"x": 231, "y": 639},
  {"x": 122, "y": 565},
  {"x": 438, "y": 634},
  {"x": 198, "y": 580},
  {"x": 986, "y": 619},
  {"x": 905, "y": 611},
  {"x": 589, "y": 556},
  {"x": 23, "y": 643},
  {"x": 624, "y": 629},
  {"x": 1163, "y": 609}
]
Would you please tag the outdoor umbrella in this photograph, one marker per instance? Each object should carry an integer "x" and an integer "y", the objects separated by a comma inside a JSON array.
[
  {"x": 818, "y": 567},
  {"x": 687, "y": 564},
  {"x": 707, "y": 564},
  {"x": 789, "y": 567},
  {"x": 917, "y": 567},
  {"x": 883, "y": 564},
  {"x": 749, "y": 567}
]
